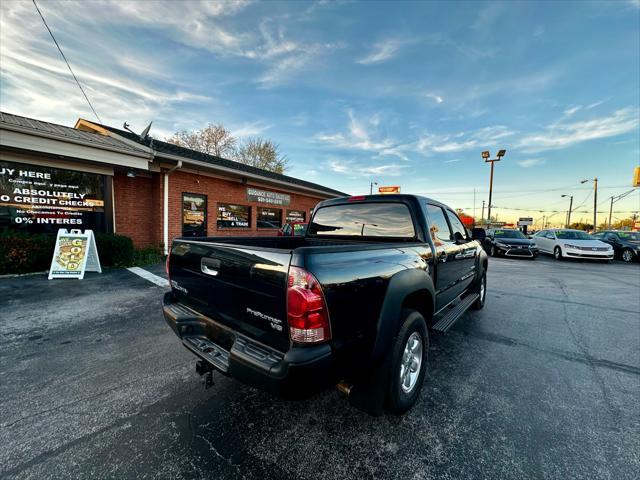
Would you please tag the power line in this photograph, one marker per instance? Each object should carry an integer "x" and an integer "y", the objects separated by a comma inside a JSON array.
[{"x": 66, "y": 61}]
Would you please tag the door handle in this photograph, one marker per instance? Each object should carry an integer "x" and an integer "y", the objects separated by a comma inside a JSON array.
[{"x": 210, "y": 266}]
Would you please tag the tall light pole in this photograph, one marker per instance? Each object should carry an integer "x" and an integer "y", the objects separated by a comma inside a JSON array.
[
  {"x": 486, "y": 155},
  {"x": 371, "y": 187},
  {"x": 570, "y": 207}
]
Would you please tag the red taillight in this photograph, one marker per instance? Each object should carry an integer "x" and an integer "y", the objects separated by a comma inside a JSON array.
[
  {"x": 306, "y": 309},
  {"x": 356, "y": 198}
]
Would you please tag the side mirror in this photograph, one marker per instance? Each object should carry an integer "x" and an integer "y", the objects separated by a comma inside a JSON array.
[
  {"x": 478, "y": 234},
  {"x": 459, "y": 238}
]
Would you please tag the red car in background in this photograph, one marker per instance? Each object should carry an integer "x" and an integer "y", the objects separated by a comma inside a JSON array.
[{"x": 293, "y": 229}]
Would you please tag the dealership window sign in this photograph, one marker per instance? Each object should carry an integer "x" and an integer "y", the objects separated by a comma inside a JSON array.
[
  {"x": 40, "y": 199},
  {"x": 265, "y": 196},
  {"x": 296, "y": 216},
  {"x": 74, "y": 254}
]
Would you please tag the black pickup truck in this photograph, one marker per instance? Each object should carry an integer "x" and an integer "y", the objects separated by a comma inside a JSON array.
[{"x": 349, "y": 304}]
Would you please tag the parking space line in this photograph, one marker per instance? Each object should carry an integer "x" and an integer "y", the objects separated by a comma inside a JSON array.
[{"x": 141, "y": 272}]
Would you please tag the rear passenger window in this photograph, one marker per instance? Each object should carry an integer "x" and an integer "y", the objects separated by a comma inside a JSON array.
[
  {"x": 438, "y": 228},
  {"x": 456, "y": 225}
]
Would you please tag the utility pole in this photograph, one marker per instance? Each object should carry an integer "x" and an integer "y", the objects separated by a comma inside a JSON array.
[
  {"x": 371, "y": 187},
  {"x": 482, "y": 216},
  {"x": 486, "y": 155},
  {"x": 569, "y": 212},
  {"x": 615, "y": 199},
  {"x": 595, "y": 204},
  {"x": 610, "y": 212}
]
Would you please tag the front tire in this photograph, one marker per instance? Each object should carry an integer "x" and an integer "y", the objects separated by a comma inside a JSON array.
[
  {"x": 409, "y": 362},
  {"x": 627, "y": 255},
  {"x": 557, "y": 253},
  {"x": 480, "y": 289}
]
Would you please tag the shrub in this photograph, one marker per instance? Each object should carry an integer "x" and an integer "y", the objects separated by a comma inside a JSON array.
[
  {"x": 147, "y": 256},
  {"x": 114, "y": 250},
  {"x": 22, "y": 252}
]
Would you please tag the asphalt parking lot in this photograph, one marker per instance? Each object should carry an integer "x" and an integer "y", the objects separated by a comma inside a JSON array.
[{"x": 542, "y": 383}]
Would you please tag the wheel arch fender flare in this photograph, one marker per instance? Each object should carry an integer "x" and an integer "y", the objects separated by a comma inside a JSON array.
[{"x": 401, "y": 286}]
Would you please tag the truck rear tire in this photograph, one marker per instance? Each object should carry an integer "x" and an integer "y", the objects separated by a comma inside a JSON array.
[{"x": 409, "y": 362}]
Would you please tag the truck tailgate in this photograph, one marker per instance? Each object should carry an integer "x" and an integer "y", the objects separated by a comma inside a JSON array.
[{"x": 243, "y": 288}]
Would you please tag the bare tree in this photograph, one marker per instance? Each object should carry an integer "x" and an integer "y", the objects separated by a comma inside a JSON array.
[
  {"x": 212, "y": 140},
  {"x": 262, "y": 153}
]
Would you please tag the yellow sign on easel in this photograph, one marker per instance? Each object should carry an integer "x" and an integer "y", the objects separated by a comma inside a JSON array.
[{"x": 75, "y": 253}]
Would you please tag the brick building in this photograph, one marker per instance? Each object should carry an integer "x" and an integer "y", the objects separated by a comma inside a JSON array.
[{"x": 111, "y": 180}]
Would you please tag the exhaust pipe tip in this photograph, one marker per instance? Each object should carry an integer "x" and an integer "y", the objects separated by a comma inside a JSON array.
[{"x": 345, "y": 387}]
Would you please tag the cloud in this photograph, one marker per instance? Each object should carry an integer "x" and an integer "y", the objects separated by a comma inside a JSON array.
[
  {"x": 250, "y": 129},
  {"x": 120, "y": 84},
  {"x": 463, "y": 141},
  {"x": 434, "y": 97},
  {"x": 530, "y": 162},
  {"x": 572, "y": 110},
  {"x": 381, "y": 51},
  {"x": 562, "y": 135},
  {"x": 353, "y": 170},
  {"x": 359, "y": 136},
  {"x": 281, "y": 56}
]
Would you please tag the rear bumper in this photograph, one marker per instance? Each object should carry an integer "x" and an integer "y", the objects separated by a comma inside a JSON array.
[{"x": 298, "y": 373}]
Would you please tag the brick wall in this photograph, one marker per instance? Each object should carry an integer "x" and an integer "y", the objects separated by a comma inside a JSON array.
[
  {"x": 220, "y": 190},
  {"x": 136, "y": 202},
  {"x": 139, "y": 210}
]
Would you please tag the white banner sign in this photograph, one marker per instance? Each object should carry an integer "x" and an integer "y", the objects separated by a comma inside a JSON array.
[{"x": 75, "y": 253}]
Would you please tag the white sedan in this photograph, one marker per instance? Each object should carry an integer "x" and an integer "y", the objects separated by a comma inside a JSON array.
[{"x": 565, "y": 243}]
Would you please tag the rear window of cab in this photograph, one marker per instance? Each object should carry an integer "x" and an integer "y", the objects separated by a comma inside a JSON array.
[{"x": 364, "y": 220}]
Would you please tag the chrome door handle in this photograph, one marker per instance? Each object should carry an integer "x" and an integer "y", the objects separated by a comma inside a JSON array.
[
  {"x": 210, "y": 266},
  {"x": 208, "y": 271}
]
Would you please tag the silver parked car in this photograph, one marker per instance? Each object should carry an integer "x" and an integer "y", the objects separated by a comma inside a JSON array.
[{"x": 566, "y": 243}]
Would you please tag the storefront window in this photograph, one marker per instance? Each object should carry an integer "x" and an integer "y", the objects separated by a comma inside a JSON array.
[
  {"x": 39, "y": 199},
  {"x": 233, "y": 216},
  {"x": 296, "y": 216},
  {"x": 269, "y": 217},
  {"x": 194, "y": 215}
]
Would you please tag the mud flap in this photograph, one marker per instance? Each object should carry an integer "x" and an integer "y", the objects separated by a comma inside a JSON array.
[{"x": 370, "y": 393}]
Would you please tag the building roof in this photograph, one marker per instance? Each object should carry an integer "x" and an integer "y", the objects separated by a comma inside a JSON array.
[
  {"x": 18, "y": 123},
  {"x": 161, "y": 147}
]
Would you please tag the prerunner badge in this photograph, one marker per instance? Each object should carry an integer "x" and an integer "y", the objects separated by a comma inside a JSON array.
[{"x": 75, "y": 253}]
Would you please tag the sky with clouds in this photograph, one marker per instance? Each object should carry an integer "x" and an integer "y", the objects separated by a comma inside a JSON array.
[{"x": 399, "y": 93}]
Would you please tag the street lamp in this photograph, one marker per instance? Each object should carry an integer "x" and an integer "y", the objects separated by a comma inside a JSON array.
[
  {"x": 570, "y": 207},
  {"x": 371, "y": 187},
  {"x": 486, "y": 156},
  {"x": 595, "y": 202}
]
